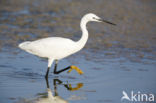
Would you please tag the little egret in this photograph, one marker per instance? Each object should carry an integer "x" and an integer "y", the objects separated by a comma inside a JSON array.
[{"x": 56, "y": 48}]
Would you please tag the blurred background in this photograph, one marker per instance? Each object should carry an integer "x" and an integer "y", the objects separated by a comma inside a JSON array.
[
  {"x": 123, "y": 51},
  {"x": 31, "y": 19}
]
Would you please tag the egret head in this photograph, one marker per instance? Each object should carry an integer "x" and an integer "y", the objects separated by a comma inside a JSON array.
[{"x": 93, "y": 17}]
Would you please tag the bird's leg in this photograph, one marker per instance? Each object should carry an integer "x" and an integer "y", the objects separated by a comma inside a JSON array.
[
  {"x": 50, "y": 61},
  {"x": 59, "y": 71},
  {"x": 76, "y": 68},
  {"x": 46, "y": 76},
  {"x": 69, "y": 67}
]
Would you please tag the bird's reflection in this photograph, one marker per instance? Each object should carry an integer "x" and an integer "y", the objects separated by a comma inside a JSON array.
[
  {"x": 52, "y": 96},
  {"x": 55, "y": 98}
]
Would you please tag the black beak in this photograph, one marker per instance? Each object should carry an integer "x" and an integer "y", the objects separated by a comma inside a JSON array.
[{"x": 102, "y": 20}]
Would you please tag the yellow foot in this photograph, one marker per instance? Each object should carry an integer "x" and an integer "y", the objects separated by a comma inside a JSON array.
[
  {"x": 78, "y": 86},
  {"x": 76, "y": 68}
]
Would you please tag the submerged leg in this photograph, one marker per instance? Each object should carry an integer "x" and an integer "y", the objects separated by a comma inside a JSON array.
[
  {"x": 47, "y": 82},
  {"x": 55, "y": 85},
  {"x": 46, "y": 76}
]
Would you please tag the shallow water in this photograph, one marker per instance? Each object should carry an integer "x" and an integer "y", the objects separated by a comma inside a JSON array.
[
  {"x": 102, "y": 82},
  {"x": 115, "y": 59}
]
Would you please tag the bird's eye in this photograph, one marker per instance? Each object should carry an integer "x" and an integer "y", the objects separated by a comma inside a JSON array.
[{"x": 94, "y": 18}]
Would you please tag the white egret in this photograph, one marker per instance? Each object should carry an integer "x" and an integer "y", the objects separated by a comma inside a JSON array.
[{"x": 56, "y": 48}]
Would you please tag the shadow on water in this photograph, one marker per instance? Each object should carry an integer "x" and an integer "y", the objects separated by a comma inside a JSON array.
[{"x": 52, "y": 96}]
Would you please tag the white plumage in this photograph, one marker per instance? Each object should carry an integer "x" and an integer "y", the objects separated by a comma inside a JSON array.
[
  {"x": 52, "y": 47},
  {"x": 56, "y": 48}
]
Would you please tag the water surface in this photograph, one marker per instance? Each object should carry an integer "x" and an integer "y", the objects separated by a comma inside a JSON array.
[{"x": 115, "y": 58}]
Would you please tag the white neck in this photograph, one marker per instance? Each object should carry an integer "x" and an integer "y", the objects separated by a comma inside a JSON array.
[{"x": 81, "y": 43}]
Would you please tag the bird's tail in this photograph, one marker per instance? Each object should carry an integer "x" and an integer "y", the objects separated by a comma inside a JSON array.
[{"x": 24, "y": 45}]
